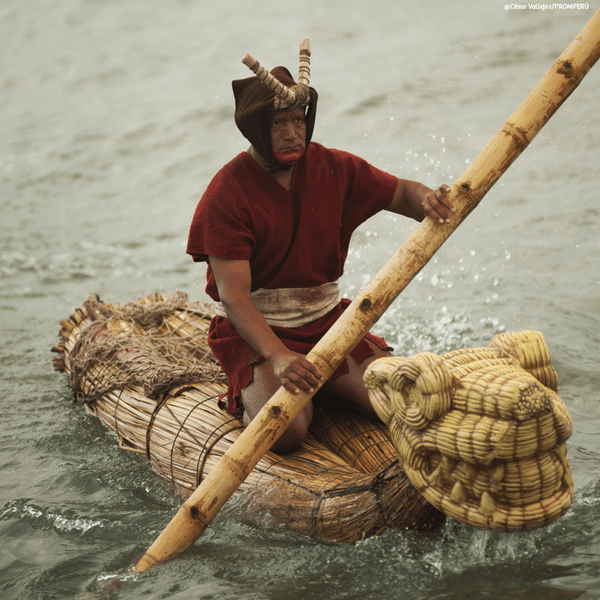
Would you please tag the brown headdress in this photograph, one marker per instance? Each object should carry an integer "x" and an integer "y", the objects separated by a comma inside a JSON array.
[{"x": 257, "y": 97}]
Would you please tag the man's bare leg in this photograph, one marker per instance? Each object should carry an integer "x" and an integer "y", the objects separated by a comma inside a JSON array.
[
  {"x": 351, "y": 386},
  {"x": 257, "y": 393}
]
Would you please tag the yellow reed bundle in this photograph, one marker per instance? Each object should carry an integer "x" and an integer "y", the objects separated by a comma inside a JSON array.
[{"x": 481, "y": 432}]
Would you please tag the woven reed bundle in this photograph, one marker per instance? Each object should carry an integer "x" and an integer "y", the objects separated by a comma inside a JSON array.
[
  {"x": 481, "y": 432},
  {"x": 145, "y": 370}
]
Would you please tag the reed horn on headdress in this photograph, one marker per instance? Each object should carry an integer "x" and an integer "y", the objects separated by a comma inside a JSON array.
[{"x": 286, "y": 97}]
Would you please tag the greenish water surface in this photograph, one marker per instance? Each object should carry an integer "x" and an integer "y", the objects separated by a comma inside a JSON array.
[{"x": 116, "y": 114}]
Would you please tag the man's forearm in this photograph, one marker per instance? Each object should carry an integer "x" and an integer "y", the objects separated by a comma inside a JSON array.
[
  {"x": 252, "y": 326},
  {"x": 408, "y": 199},
  {"x": 415, "y": 194},
  {"x": 415, "y": 200}
]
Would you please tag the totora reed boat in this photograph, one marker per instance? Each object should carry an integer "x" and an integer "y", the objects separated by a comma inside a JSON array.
[{"x": 476, "y": 434}]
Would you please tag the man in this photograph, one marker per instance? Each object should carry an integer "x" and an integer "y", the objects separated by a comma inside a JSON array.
[{"x": 274, "y": 226}]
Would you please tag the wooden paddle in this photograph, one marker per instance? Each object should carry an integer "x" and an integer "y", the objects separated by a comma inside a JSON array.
[{"x": 201, "y": 507}]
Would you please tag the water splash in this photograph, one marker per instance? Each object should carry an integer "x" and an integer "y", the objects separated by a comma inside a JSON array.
[{"x": 64, "y": 522}]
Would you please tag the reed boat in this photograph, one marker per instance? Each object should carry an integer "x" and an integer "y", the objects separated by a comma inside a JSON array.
[{"x": 478, "y": 435}]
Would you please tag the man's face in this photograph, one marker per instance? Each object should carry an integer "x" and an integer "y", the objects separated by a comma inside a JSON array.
[{"x": 288, "y": 135}]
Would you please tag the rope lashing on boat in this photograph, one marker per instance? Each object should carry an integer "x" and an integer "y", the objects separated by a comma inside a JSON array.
[
  {"x": 153, "y": 355},
  {"x": 232, "y": 425},
  {"x": 153, "y": 416},
  {"x": 406, "y": 498},
  {"x": 480, "y": 432},
  {"x": 176, "y": 438},
  {"x": 115, "y": 417}
]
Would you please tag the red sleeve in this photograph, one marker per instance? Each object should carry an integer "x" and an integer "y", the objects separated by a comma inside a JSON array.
[
  {"x": 365, "y": 189},
  {"x": 370, "y": 190},
  {"x": 220, "y": 226}
]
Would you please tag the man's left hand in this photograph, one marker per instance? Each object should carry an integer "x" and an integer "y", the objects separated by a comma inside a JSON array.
[{"x": 437, "y": 205}]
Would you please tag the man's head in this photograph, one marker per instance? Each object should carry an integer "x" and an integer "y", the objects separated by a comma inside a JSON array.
[{"x": 267, "y": 95}]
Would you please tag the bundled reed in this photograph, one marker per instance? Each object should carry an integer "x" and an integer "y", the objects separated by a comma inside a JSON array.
[
  {"x": 145, "y": 370},
  {"x": 481, "y": 432}
]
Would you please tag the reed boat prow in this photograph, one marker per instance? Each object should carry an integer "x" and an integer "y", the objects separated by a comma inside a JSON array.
[{"x": 144, "y": 368}]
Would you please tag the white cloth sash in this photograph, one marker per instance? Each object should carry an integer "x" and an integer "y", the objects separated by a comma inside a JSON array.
[{"x": 293, "y": 307}]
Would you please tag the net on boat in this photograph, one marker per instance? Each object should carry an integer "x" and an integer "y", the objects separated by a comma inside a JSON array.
[{"x": 156, "y": 343}]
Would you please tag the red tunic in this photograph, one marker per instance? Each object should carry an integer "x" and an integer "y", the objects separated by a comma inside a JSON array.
[{"x": 296, "y": 238}]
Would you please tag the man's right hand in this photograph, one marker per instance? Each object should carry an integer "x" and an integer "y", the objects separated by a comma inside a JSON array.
[{"x": 295, "y": 372}]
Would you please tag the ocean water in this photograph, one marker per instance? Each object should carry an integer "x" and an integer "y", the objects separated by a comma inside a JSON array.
[{"x": 114, "y": 117}]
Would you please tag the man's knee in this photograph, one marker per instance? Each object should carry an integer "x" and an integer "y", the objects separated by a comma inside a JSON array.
[
  {"x": 291, "y": 439},
  {"x": 257, "y": 394},
  {"x": 293, "y": 436}
]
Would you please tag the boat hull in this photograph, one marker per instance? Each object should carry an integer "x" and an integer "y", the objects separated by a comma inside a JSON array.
[{"x": 145, "y": 371}]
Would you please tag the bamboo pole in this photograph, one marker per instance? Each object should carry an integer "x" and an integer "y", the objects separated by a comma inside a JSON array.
[{"x": 513, "y": 137}]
